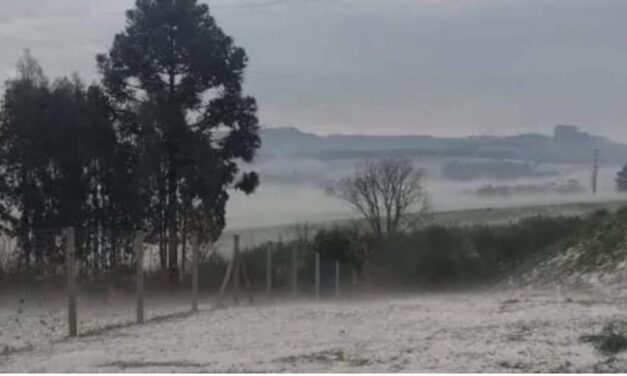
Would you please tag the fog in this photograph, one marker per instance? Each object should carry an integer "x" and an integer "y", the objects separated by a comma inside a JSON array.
[
  {"x": 454, "y": 67},
  {"x": 305, "y": 200}
]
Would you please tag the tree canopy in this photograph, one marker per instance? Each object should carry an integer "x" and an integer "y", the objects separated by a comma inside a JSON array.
[
  {"x": 621, "y": 179},
  {"x": 383, "y": 191},
  {"x": 157, "y": 145}
]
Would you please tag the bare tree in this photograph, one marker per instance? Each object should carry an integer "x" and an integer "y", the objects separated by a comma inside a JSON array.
[{"x": 384, "y": 191}]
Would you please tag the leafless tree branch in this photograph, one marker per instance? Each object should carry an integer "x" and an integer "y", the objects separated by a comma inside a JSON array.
[{"x": 384, "y": 192}]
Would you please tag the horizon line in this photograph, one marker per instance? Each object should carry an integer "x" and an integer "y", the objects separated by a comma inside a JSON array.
[{"x": 321, "y": 134}]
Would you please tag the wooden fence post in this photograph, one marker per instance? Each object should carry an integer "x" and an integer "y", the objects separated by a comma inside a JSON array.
[
  {"x": 195, "y": 271},
  {"x": 71, "y": 280},
  {"x": 139, "y": 260},
  {"x": 226, "y": 280},
  {"x": 294, "y": 273},
  {"x": 337, "y": 278},
  {"x": 317, "y": 277},
  {"x": 269, "y": 270}
]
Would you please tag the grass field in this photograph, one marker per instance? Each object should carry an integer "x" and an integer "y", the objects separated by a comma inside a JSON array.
[
  {"x": 475, "y": 331},
  {"x": 257, "y": 235},
  {"x": 481, "y": 331}
]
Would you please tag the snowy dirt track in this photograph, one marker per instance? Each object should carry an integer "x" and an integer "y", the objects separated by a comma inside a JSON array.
[{"x": 490, "y": 331}]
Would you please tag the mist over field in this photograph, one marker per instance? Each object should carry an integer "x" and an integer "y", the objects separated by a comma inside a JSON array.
[
  {"x": 241, "y": 186},
  {"x": 289, "y": 203},
  {"x": 298, "y": 171}
]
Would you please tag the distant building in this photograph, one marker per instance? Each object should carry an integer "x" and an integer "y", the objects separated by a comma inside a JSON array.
[{"x": 569, "y": 133}]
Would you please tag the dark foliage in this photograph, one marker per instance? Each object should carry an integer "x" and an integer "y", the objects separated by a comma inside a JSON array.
[
  {"x": 432, "y": 255},
  {"x": 64, "y": 166},
  {"x": 176, "y": 80},
  {"x": 333, "y": 244},
  {"x": 156, "y": 147},
  {"x": 612, "y": 339},
  {"x": 621, "y": 179}
]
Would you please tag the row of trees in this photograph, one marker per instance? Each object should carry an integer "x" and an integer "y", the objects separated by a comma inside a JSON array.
[{"x": 156, "y": 145}]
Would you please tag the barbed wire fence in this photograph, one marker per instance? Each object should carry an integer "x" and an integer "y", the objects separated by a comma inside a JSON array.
[{"x": 80, "y": 262}]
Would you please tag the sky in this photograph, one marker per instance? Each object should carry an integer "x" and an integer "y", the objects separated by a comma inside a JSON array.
[{"x": 440, "y": 67}]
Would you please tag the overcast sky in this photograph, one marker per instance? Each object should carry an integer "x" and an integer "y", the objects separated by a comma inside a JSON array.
[{"x": 442, "y": 67}]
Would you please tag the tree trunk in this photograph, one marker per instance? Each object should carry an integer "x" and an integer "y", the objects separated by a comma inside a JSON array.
[
  {"x": 114, "y": 250},
  {"x": 163, "y": 252},
  {"x": 172, "y": 165},
  {"x": 172, "y": 223},
  {"x": 25, "y": 231},
  {"x": 183, "y": 246},
  {"x": 163, "y": 261}
]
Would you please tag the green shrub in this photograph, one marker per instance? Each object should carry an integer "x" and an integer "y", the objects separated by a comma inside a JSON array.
[
  {"x": 611, "y": 238},
  {"x": 611, "y": 340},
  {"x": 255, "y": 261},
  {"x": 333, "y": 244},
  {"x": 431, "y": 255}
]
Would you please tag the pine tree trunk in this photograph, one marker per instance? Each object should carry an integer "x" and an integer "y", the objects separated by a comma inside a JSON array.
[
  {"x": 163, "y": 261},
  {"x": 114, "y": 250},
  {"x": 25, "y": 228},
  {"x": 183, "y": 246},
  {"x": 163, "y": 251},
  {"x": 172, "y": 224}
]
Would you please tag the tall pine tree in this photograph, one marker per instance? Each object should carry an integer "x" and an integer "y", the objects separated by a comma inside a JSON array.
[{"x": 176, "y": 80}]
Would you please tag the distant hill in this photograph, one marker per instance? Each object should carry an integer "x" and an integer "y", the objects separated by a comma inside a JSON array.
[{"x": 566, "y": 145}]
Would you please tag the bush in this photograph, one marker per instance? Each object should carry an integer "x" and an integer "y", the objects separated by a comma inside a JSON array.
[
  {"x": 438, "y": 254},
  {"x": 603, "y": 232},
  {"x": 333, "y": 244},
  {"x": 505, "y": 246},
  {"x": 612, "y": 339},
  {"x": 255, "y": 261},
  {"x": 431, "y": 255},
  {"x": 435, "y": 254}
]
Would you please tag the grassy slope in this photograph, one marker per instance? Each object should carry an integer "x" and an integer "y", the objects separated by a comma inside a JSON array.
[
  {"x": 595, "y": 256},
  {"x": 256, "y": 236}
]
